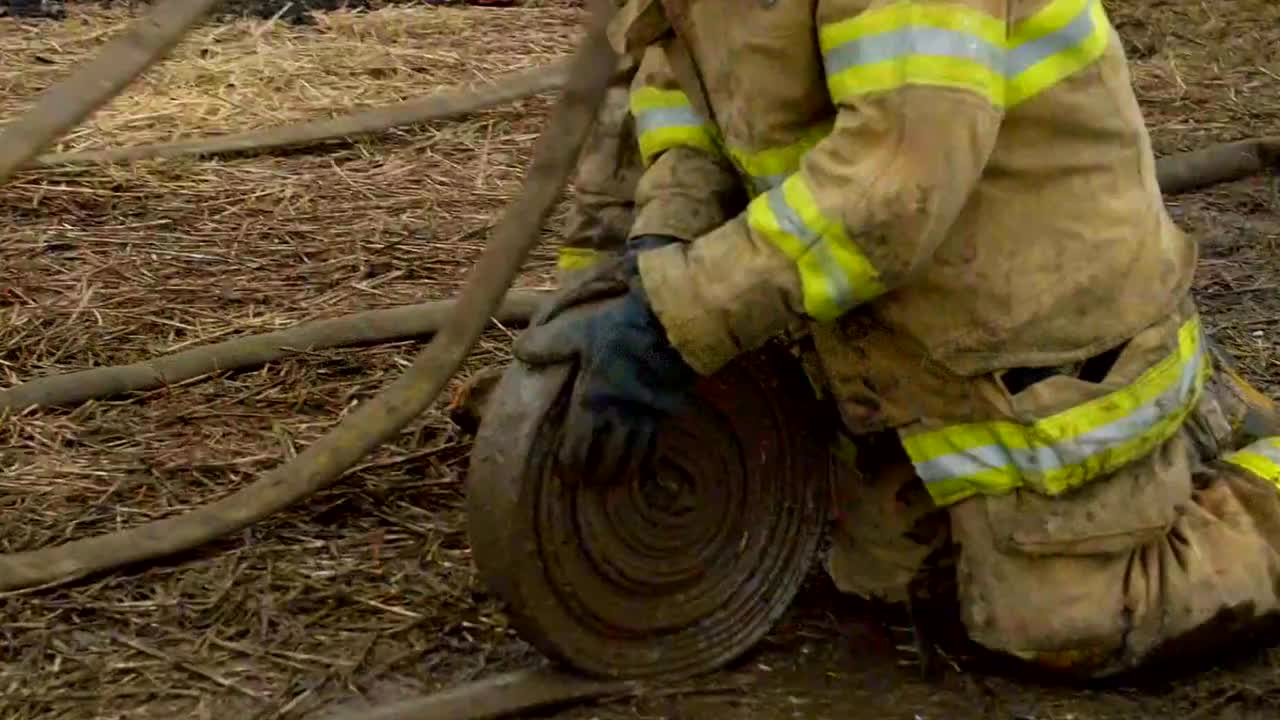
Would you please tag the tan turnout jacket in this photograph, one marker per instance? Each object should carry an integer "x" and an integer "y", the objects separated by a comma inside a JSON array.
[
  {"x": 974, "y": 177},
  {"x": 975, "y": 173}
]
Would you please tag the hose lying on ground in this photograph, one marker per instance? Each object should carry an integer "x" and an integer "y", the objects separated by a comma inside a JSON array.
[
  {"x": 1226, "y": 162},
  {"x": 500, "y": 696},
  {"x": 373, "y": 422},
  {"x": 365, "y": 328},
  {"x": 97, "y": 81},
  {"x": 438, "y": 105}
]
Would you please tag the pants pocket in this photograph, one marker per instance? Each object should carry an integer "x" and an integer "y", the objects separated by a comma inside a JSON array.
[{"x": 1114, "y": 514}]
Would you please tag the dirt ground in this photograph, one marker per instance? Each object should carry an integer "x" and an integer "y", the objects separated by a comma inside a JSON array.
[{"x": 366, "y": 592}]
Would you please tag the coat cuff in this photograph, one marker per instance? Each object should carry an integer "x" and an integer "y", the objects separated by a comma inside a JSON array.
[
  {"x": 674, "y": 218},
  {"x": 703, "y": 341},
  {"x": 720, "y": 296}
]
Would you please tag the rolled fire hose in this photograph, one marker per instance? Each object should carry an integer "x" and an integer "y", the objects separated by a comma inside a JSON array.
[{"x": 677, "y": 570}]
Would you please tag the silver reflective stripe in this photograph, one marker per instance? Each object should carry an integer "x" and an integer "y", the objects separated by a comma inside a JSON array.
[
  {"x": 763, "y": 183},
  {"x": 771, "y": 181},
  {"x": 936, "y": 42},
  {"x": 788, "y": 220},
  {"x": 913, "y": 41},
  {"x": 1029, "y": 53},
  {"x": 836, "y": 282},
  {"x": 1266, "y": 448},
  {"x": 1077, "y": 450},
  {"x": 663, "y": 118}
]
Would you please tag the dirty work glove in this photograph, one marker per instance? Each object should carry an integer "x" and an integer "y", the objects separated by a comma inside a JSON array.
[
  {"x": 608, "y": 278},
  {"x": 629, "y": 376}
]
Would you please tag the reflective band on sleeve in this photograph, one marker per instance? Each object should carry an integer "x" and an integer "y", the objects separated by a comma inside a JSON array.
[
  {"x": 577, "y": 258},
  {"x": 1066, "y": 450},
  {"x": 1054, "y": 44},
  {"x": 1261, "y": 457},
  {"x": 945, "y": 45},
  {"x": 666, "y": 119},
  {"x": 913, "y": 43},
  {"x": 834, "y": 274},
  {"x": 766, "y": 169}
]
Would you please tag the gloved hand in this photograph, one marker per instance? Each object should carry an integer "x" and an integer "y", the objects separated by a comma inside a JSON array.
[
  {"x": 606, "y": 279},
  {"x": 629, "y": 376}
]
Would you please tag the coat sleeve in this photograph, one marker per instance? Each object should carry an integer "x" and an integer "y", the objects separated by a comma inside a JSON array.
[
  {"x": 918, "y": 107},
  {"x": 688, "y": 186}
]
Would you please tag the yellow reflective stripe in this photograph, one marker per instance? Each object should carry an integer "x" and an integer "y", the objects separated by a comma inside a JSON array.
[
  {"x": 577, "y": 258},
  {"x": 909, "y": 15},
  {"x": 1070, "y": 448},
  {"x": 834, "y": 274},
  {"x": 666, "y": 119},
  {"x": 646, "y": 98},
  {"x": 917, "y": 70},
  {"x": 951, "y": 45},
  {"x": 913, "y": 43},
  {"x": 1054, "y": 44},
  {"x": 766, "y": 169},
  {"x": 656, "y": 142},
  {"x": 1261, "y": 457}
]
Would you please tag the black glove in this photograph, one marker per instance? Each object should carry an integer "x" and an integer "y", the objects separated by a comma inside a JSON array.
[
  {"x": 629, "y": 376},
  {"x": 606, "y": 279}
]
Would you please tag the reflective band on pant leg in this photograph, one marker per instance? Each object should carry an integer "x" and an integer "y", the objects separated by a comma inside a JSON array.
[
  {"x": 577, "y": 258},
  {"x": 1262, "y": 458},
  {"x": 1070, "y": 448}
]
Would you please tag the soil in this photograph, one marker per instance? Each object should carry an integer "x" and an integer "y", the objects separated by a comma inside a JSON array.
[{"x": 366, "y": 592}]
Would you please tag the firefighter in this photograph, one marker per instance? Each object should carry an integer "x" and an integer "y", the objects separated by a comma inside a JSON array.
[{"x": 957, "y": 203}]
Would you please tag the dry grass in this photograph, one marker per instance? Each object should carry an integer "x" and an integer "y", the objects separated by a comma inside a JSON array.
[
  {"x": 1205, "y": 71},
  {"x": 171, "y": 253},
  {"x": 250, "y": 74},
  {"x": 367, "y": 589},
  {"x": 367, "y": 584},
  {"x": 1210, "y": 72}
]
